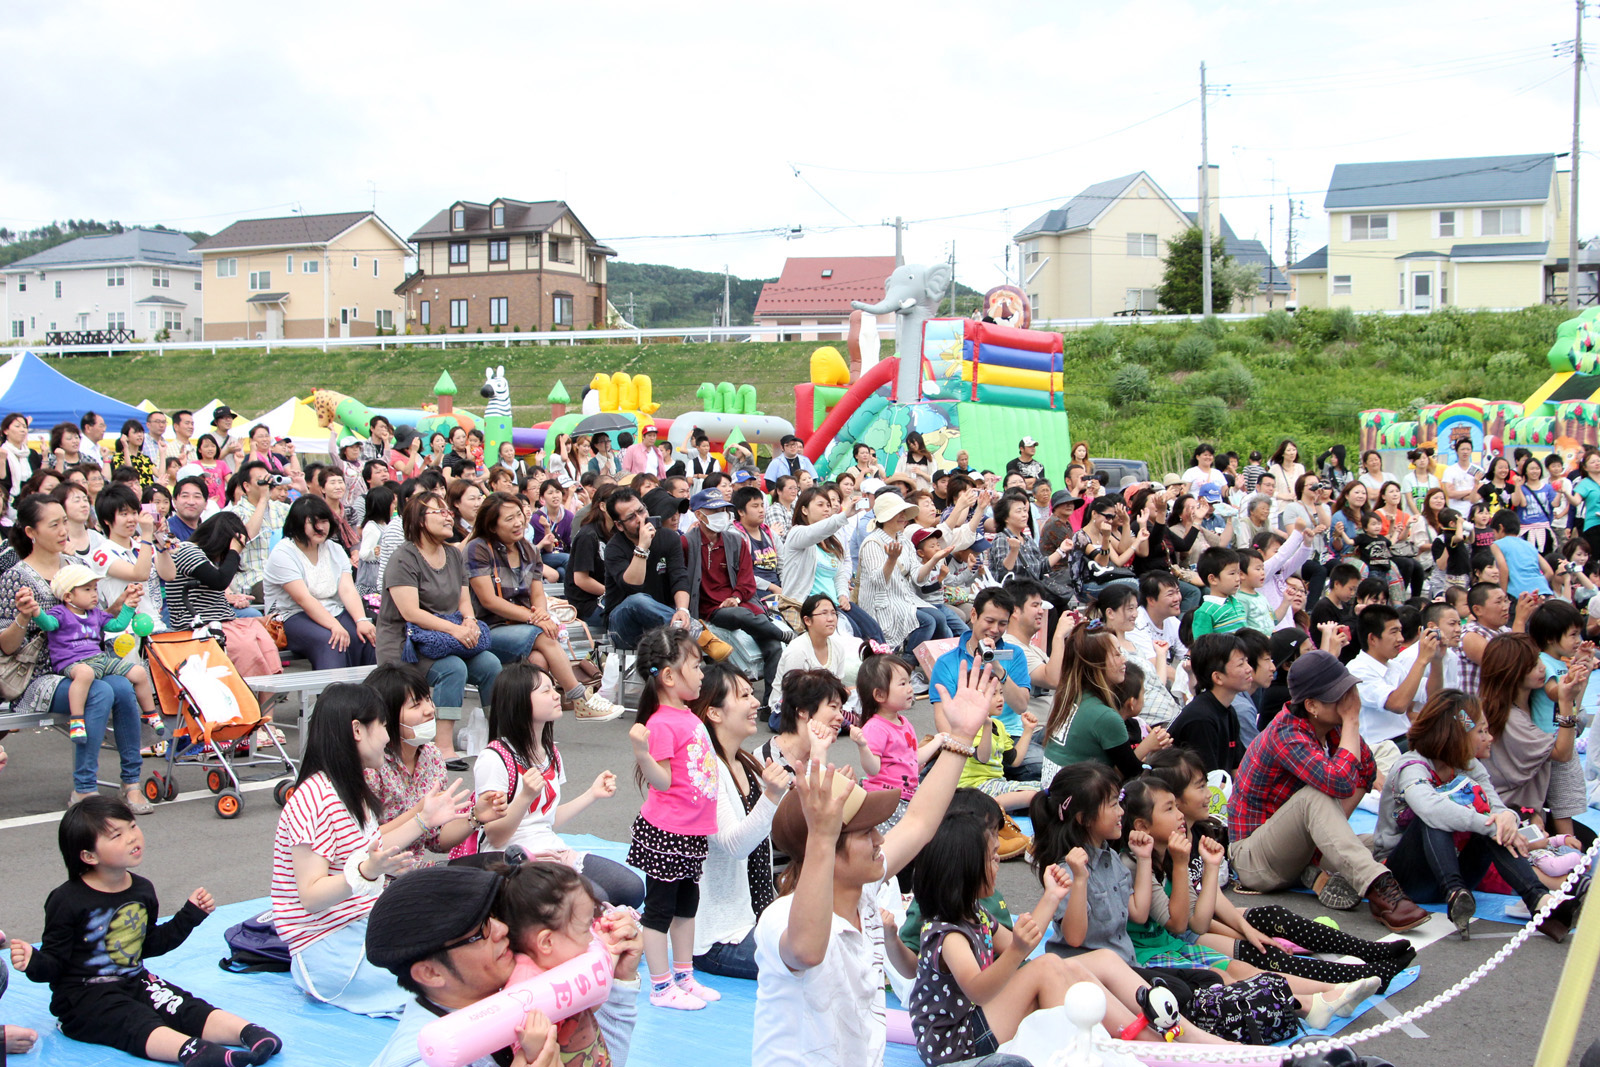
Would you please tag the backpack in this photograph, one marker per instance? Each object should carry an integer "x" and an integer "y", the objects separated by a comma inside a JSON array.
[
  {"x": 1256, "y": 1011},
  {"x": 469, "y": 846},
  {"x": 254, "y": 946}
]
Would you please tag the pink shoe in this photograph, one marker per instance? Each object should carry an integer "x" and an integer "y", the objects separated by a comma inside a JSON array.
[
  {"x": 1289, "y": 946},
  {"x": 688, "y": 984},
  {"x": 675, "y": 997}
]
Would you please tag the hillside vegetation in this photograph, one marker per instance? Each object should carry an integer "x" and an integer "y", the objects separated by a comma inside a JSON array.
[{"x": 1143, "y": 390}]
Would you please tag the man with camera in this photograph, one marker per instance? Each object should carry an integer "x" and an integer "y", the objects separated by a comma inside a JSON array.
[
  {"x": 263, "y": 518},
  {"x": 987, "y": 643}
]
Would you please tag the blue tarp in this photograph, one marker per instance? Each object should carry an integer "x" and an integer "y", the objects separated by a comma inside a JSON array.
[{"x": 30, "y": 385}]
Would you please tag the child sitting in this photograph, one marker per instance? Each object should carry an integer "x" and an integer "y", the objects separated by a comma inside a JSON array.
[
  {"x": 884, "y": 685},
  {"x": 1258, "y": 613},
  {"x": 932, "y": 571},
  {"x": 73, "y": 632},
  {"x": 996, "y": 750},
  {"x": 98, "y": 928},
  {"x": 1220, "y": 611},
  {"x": 1557, "y": 628}
]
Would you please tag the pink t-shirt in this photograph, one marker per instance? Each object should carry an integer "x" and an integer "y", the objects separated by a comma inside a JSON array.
[
  {"x": 895, "y": 744},
  {"x": 690, "y": 806}
]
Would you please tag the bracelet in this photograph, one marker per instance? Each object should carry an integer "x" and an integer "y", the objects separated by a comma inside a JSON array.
[
  {"x": 1566, "y": 722},
  {"x": 950, "y": 744},
  {"x": 473, "y": 821},
  {"x": 421, "y": 823}
]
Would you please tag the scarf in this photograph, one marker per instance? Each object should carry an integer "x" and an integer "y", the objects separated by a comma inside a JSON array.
[{"x": 17, "y": 465}]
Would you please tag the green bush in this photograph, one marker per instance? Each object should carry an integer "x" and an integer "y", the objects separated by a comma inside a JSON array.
[
  {"x": 1208, "y": 416},
  {"x": 1193, "y": 351},
  {"x": 1100, "y": 341},
  {"x": 1129, "y": 385},
  {"x": 1146, "y": 350},
  {"x": 1213, "y": 327},
  {"x": 1232, "y": 381},
  {"x": 1276, "y": 325},
  {"x": 1344, "y": 326},
  {"x": 1244, "y": 344},
  {"x": 1510, "y": 364}
]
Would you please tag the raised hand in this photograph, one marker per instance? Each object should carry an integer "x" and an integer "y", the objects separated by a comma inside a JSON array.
[
  {"x": 1030, "y": 722},
  {"x": 491, "y": 806},
  {"x": 202, "y": 900},
  {"x": 823, "y": 810},
  {"x": 385, "y": 860},
  {"x": 822, "y": 739},
  {"x": 1211, "y": 852},
  {"x": 1078, "y": 862},
  {"x": 27, "y": 603},
  {"x": 1178, "y": 845},
  {"x": 1141, "y": 844},
  {"x": 1026, "y": 934},
  {"x": 1057, "y": 882},
  {"x": 774, "y": 780},
  {"x": 537, "y": 1040},
  {"x": 605, "y": 786},
  {"x": 639, "y": 735},
  {"x": 533, "y": 780},
  {"x": 446, "y": 804}
]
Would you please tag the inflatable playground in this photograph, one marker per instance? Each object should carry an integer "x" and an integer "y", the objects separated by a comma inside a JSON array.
[{"x": 1562, "y": 415}]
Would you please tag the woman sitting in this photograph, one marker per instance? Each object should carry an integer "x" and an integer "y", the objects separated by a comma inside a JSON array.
[
  {"x": 334, "y": 493},
  {"x": 1521, "y": 761},
  {"x": 131, "y": 551},
  {"x": 330, "y": 860},
  {"x": 203, "y": 567},
  {"x": 552, "y": 526},
  {"x": 1439, "y": 793},
  {"x": 1087, "y": 721},
  {"x": 465, "y": 498},
  {"x": 505, "y": 577},
  {"x": 425, "y": 585},
  {"x": 129, "y": 452},
  {"x": 75, "y": 500},
  {"x": 821, "y": 647},
  {"x": 38, "y": 538},
  {"x": 412, "y": 769},
  {"x": 887, "y": 583},
  {"x": 586, "y": 570},
  {"x": 1014, "y": 550},
  {"x": 309, "y": 586},
  {"x": 65, "y": 437},
  {"x": 736, "y": 880},
  {"x": 812, "y": 560}
]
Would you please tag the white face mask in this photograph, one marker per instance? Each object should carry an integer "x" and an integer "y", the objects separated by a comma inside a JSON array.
[
  {"x": 422, "y": 733},
  {"x": 719, "y": 521}
]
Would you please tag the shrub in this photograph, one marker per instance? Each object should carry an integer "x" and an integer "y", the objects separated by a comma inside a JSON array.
[
  {"x": 1213, "y": 327},
  {"x": 1129, "y": 385},
  {"x": 1145, "y": 350},
  {"x": 1245, "y": 344},
  {"x": 1509, "y": 363},
  {"x": 1231, "y": 381},
  {"x": 1276, "y": 325},
  {"x": 1208, "y": 416},
  {"x": 1100, "y": 341},
  {"x": 1344, "y": 326},
  {"x": 1193, "y": 351}
]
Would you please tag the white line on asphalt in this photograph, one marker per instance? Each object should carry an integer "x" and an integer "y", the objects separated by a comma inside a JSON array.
[
  {"x": 1383, "y": 1005},
  {"x": 194, "y": 794}
]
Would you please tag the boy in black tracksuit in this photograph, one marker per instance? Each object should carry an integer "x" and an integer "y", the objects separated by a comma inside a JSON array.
[{"x": 99, "y": 928}]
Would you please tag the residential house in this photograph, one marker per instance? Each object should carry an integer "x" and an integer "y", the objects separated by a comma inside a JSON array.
[
  {"x": 1104, "y": 252},
  {"x": 144, "y": 281},
  {"x": 813, "y": 294},
  {"x": 505, "y": 264},
  {"x": 1478, "y": 232},
  {"x": 303, "y": 276}
]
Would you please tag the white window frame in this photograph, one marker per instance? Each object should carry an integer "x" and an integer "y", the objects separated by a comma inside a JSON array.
[
  {"x": 1402, "y": 303},
  {"x": 458, "y": 313},
  {"x": 172, "y": 321},
  {"x": 1499, "y": 216},
  {"x": 116, "y": 320},
  {"x": 22, "y": 283},
  {"x": 383, "y": 319},
  {"x": 499, "y": 311},
  {"x": 19, "y": 329},
  {"x": 426, "y": 313},
  {"x": 161, "y": 278},
  {"x": 1439, "y": 223},
  {"x": 1388, "y": 226},
  {"x": 155, "y": 317},
  {"x": 310, "y": 265},
  {"x": 557, "y": 243},
  {"x": 228, "y": 268},
  {"x": 1444, "y": 285},
  {"x": 288, "y": 263},
  {"x": 1033, "y": 304},
  {"x": 116, "y": 276},
  {"x": 1144, "y": 245},
  {"x": 1338, "y": 288},
  {"x": 260, "y": 281}
]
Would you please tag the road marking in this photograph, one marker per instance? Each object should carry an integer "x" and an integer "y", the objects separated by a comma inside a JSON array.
[
  {"x": 1389, "y": 1010},
  {"x": 195, "y": 794}
]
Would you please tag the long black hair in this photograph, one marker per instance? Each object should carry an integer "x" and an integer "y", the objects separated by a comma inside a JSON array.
[
  {"x": 215, "y": 535},
  {"x": 511, "y": 717},
  {"x": 1061, "y": 813},
  {"x": 1139, "y": 799},
  {"x": 331, "y": 747},
  {"x": 952, "y": 871},
  {"x": 658, "y": 649},
  {"x": 396, "y": 683},
  {"x": 380, "y": 504}
]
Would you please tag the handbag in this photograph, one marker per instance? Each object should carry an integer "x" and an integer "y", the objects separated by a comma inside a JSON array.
[
  {"x": 275, "y": 630},
  {"x": 423, "y": 643},
  {"x": 789, "y": 609},
  {"x": 1257, "y": 1011},
  {"x": 18, "y": 668}
]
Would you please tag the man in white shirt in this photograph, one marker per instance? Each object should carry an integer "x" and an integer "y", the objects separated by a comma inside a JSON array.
[
  {"x": 1460, "y": 479},
  {"x": 819, "y": 948},
  {"x": 1159, "y": 620},
  {"x": 1443, "y": 619},
  {"x": 1386, "y": 707},
  {"x": 94, "y": 428}
]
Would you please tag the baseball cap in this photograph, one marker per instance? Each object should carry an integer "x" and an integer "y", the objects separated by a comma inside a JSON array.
[
  {"x": 1027, "y": 442},
  {"x": 649, "y": 428},
  {"x": 863, "y": 809},
  {"x": 1319, "y": 675},
  {"x": 872, "y": 485},
  {"x": 424, "y": 910},
  {"x": 922, "y": 534},
  {"x": 708, "y": 500},
  {"x": 790, "y": 439},
  {"x": 1211, "y": 491},
  {"x": 742, "y": 476}
]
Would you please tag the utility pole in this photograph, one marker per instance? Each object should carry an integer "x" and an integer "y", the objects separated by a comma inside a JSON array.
[
  {"x": 1288, "y": 248},
  {"x": 1572, "y": 205},
  {"x": 953, "y": 311},
  {"x": 1205, "y": 202},
  {"x": 727, "y": 309},
  {"x": 899, "y": 256},
  {"x": 1270, "y": 206}
]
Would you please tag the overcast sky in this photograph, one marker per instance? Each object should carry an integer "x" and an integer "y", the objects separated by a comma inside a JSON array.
[{"x": 680, "y": 120}]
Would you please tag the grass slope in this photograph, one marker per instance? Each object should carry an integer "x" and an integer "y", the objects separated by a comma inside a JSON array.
[{"x": 1144, "y": 391}]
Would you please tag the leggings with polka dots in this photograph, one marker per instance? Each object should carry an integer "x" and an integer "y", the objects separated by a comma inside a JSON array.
[{"x": 1383, "y": 959}]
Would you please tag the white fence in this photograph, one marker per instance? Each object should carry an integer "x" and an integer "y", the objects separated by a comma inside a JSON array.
[{"x": 574, "y": 337}]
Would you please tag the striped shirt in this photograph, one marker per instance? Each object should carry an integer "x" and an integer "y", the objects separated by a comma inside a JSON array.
[
  {"x": 1218, "y": 615},
  {"x": 316, "y": 817},
  {"x": 188, "y": 600},
  {"x": 1472, "y": 673}
]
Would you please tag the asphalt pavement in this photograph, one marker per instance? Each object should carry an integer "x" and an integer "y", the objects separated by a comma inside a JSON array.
[{"x": 1498, "y": 1022}]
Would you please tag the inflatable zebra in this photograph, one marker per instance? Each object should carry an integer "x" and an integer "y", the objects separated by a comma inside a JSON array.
[{"x": 497, "y": 415}]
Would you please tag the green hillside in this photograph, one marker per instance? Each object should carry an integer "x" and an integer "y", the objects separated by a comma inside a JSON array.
[{"x": 1142, "y": 390}]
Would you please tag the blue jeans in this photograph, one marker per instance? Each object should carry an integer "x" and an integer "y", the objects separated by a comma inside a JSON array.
[
  {"x": 111, "y": 703},
  {"x": 247, "y": 613},
  {"x": 558, "y": 560},
  {"x": 861, "y": 621},
  {"x": 449, "y": 678},
  {"x": 636, "y": 614},
  {"x": 930, "y": 627},
  {"x": 513, "y": 641},
  {"x": 730, "y": 960},
  {"x": 1428, "y": 867},
  {"x": 952, "y": 619}
]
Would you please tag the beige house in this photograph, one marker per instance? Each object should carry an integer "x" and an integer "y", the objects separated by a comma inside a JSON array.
[
  {"x": 1483, "y": 232},
  {"x": 303, "y": 276},
  {"x": 1103, "y": 252}
]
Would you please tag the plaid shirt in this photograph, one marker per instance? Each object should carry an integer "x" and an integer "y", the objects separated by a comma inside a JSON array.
[
  {"x": 1471, "y": 673},
  {"x": 253, "y": 565},
  {"x": 1284, "y": 757}
]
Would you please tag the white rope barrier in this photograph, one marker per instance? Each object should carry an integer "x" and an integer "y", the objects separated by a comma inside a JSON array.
[{"x": 1223, "y": 1054}]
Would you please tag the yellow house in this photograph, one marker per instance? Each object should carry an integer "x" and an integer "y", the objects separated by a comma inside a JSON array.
[
  {"x": 1479, "y": 232},
  {"x": 1103, "y": 252},
  {"x": 303, "y": 276}
]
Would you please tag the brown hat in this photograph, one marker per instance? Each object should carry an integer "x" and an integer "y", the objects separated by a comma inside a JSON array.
[{"x": 862, "y": 811}]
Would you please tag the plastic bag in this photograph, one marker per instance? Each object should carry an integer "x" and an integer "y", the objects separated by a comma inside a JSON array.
[
  {"x": 475, "y": 735},
  {"x": 611, "y": 676}
]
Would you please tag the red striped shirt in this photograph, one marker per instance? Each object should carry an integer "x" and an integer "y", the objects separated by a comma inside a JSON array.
[{"x": 316, "y": 817}]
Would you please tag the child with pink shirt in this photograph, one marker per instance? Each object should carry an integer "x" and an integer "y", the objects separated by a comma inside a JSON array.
[
  {"x": 883, "y": 685},
  {"x": 678, "y": 761}
]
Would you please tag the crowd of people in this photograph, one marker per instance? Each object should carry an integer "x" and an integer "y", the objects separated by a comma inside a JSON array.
[{"x": 1187, "y": 684}]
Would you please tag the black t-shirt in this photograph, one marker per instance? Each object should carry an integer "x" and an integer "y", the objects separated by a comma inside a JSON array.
[
  {"x": 1374, "y": 550},
  {"x": 1457, "y": 557},
  {"x": 90, "y": 936},
  {"x": 1159, "y": 555},
  {"x": 1212, "y": 729},
  {"x": 1326, "y": 610},
  {"x": 584, "y": 557},
  {"x": 1497, "y": 497},
  {"x": 665, "y": 569}
]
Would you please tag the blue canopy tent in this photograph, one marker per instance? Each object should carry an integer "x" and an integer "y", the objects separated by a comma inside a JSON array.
[{"x": 30, "y": 385}]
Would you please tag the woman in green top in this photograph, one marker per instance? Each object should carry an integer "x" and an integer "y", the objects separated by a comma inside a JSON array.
[
  {"x": 1084, "y": 723},
  {"x": 1587, "y": 487}
]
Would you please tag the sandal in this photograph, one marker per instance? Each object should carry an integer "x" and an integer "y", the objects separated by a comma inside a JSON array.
[{"x": 136, "y": 800}]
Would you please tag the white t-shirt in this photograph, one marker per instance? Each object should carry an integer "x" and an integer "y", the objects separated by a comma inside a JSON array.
[
  {"x": 1378, "y": 723},
  {"x": 537, "y": 832},
  {"x": 286, "y": 563},
  {"x": 833, "y": 1014},
  {"x": 1456, "y": 478},
  {"x": 1400, "y": 666},
  {"x": 1195, "y": 477},
  {"x": 103, "y": 552}
]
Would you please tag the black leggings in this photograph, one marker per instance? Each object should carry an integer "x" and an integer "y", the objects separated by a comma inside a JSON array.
[
  {"x": 1381, "y": 959},
  {"x": 665, "y": 901}
]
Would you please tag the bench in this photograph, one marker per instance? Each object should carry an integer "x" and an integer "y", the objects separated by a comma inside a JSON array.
[{"x": 302, "y": 683}]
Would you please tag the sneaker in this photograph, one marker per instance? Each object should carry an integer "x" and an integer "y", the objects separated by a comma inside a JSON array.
[
  {"x": 689, "y": 985},
  {"x": 1332, "y": 890},
  {"x": 592, "y": 707},
  {"x": 675, "y": 997},
  {"x": 713, "y": 646},
  {"x": 1460, "y": 910}
]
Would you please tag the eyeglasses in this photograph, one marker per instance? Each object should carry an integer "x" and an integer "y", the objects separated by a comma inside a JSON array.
[
  {"x": 482, "y": 933},
  {"x": 438, "y": 511}
]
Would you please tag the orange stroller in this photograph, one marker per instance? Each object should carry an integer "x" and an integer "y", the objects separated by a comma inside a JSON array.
[{"x": 216, "y": 712}]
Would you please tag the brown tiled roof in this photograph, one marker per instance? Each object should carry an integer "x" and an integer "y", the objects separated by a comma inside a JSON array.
[
  {"x": 522, "y": 216},
  {"x": 283, "y": 232},
  {"x": 803, "y": 290}
]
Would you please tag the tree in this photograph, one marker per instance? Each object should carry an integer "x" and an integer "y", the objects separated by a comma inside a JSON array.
[{"x": 1180, "y": 291}]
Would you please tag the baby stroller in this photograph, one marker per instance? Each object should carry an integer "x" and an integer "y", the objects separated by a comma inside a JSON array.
[{"x": 216, "y": 712}]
